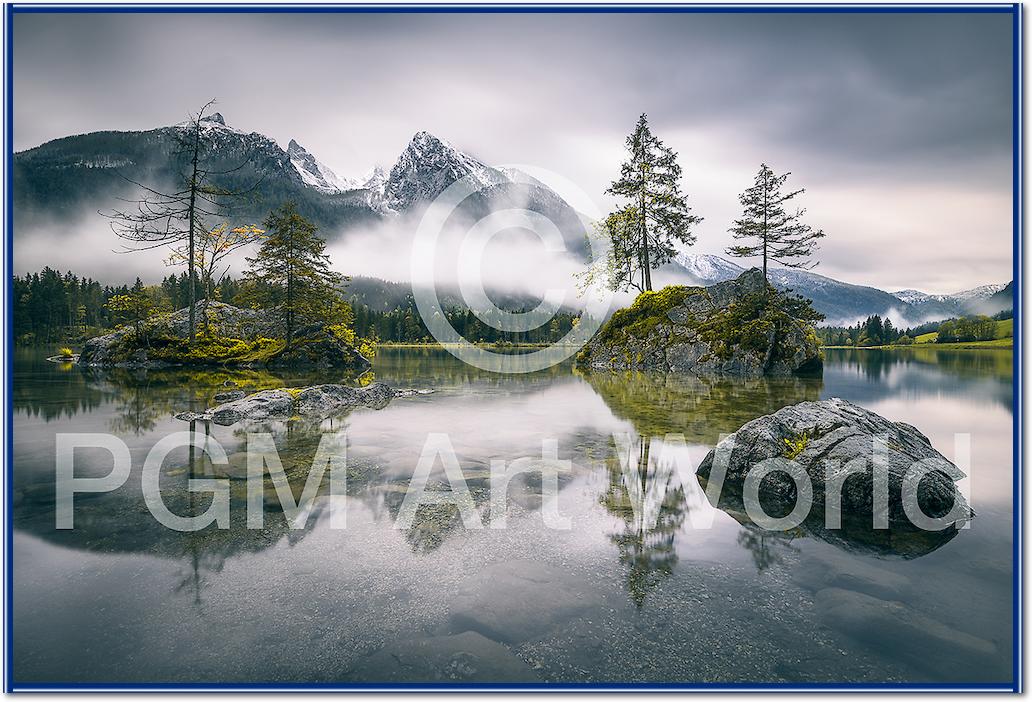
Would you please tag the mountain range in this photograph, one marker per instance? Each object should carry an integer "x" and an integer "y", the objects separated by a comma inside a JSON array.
[
  {"x": 66, "y": 177},
  {"x": 88, "y": 172},
  {"x": 844, "y": 303}
]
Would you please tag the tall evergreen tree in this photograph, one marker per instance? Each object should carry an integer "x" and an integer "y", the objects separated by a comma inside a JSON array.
[
  {"x": 773, "y": 231},
  {"x": 657, "y": 215},
  {"x": 291, "y": 273}
]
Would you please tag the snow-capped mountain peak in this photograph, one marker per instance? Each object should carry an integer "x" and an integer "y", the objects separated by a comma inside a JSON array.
[
  {"x": 214, "y": 121},
  {"x": 374, "y": 179},
  {"x": 315, "y": 174},
  {"x": 982, "y": 292},
  {"x": 427, "y": 166}
]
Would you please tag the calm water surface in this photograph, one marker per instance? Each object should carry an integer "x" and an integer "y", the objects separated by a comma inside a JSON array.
[{"x": 639, "y": 589}]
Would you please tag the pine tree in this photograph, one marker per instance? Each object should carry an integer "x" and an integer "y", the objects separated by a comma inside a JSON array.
[
  {"x": 291, "y": 273},
  {"x": 657, "y": 215},
  {"x": 775, "y": 233}
]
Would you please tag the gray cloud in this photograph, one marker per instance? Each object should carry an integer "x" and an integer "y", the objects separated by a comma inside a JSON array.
[{"x": 868, "y": 110}]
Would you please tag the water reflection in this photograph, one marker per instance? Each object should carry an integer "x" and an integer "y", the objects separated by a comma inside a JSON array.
[
  {"x": 646, "y": 496},
  {"x": 701, "y": 409},
  {"x": 872, "y": 375},
  {"x": 856, "y": 534},
  {"x": 625, "y": 586}
]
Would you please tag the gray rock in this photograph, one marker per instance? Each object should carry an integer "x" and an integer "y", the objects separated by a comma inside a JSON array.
[
  {"x": 229, "y": 396},
  {"x": 234, "y": 469},
  {"x": 261, "y": 405},
  {"x": 465, "y": 657},
  {"x": 193, "y": 416},
  {"x": 686, "y": 337},
  {"x": 837, "y": 430},
  {"x": 376, "y": 396},
  {"x": 520, "y": 600},
  {"x": 314, "y": 402}
]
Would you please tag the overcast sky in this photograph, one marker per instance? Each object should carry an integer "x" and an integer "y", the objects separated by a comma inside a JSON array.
[{"x": 898, "y": 125}]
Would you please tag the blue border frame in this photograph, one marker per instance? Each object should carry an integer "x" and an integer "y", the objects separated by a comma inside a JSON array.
[{"x": 1013, "y": 9}]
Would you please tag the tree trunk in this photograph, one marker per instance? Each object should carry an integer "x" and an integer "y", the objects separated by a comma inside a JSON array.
[
  {"x": 290, "y": 293},
  {"x": 192, "y": 297},
  {"x": 765, "y": 191},
  {"x": 646, "y": 264}
]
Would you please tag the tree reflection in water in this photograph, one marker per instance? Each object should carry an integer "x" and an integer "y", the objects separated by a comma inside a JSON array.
[{"x": 646, "y": 495}]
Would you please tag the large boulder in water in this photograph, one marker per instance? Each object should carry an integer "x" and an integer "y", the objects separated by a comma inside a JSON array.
[
  {"x": 739, "y": 327},
  {"x": 839, "y": 446}
]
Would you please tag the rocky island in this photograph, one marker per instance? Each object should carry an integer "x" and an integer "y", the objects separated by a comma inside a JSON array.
[
  {"x": 740, "y": 327},
  {"x": 228, "y": 336}
]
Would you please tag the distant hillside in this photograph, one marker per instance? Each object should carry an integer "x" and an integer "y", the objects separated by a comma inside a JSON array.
[{"x": 844, "y": 304}]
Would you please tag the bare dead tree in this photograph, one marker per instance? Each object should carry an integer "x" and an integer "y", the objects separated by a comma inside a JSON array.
[{"x": 176, "y": 218}]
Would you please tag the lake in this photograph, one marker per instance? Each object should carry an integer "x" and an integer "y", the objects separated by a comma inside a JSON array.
[{"x": 626, "y": 594}]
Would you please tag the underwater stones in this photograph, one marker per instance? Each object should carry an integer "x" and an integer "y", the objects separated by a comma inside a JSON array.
[
  {"x": 836, "y": 569},
  {"x": 463, "y": 657},
  {"x": 519, "y": 600},
  {"x": 931, "y": 645}
]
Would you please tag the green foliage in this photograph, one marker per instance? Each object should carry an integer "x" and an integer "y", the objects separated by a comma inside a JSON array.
[
  {"x": 656, "y": 216},
  {"x": 135, "y": 307},
  {"x": 65, "y": 352},
  {"x": 795, "y": 445},
  {"x": 874, "y": 331},
  {"x": 214, "y": 349},
  {"x": 291, "y": 273},
  {"x": 771, "y": 230},
  {"x": 649, "y": 309},
  {"x": 756, "y": 322},
  {"x": 980, "y": 328}
]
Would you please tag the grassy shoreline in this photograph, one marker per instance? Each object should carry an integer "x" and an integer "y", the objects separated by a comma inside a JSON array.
[{"x": 994, "y": 344}]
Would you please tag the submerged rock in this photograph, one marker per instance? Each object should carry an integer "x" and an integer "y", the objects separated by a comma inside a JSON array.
[
  {"x": 931, "y": 645},
  {"x": 723, "y": 329},
  {"x": 464, "y": 657},
  {"x": 520, "y": 600},
  {"x": 316, "y": 401},
  {"x": 833, "y": 441}
]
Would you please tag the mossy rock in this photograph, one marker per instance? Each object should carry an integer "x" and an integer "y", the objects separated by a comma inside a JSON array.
[{"x": 740, "y": 327}]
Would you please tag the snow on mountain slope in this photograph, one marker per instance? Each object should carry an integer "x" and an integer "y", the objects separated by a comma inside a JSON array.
[
  {"x": 707, "y": 268},
  {"x": 315, "y": 174},
  {"x": 912, "y": 296},
  {"x": 982, "y": 292}
]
